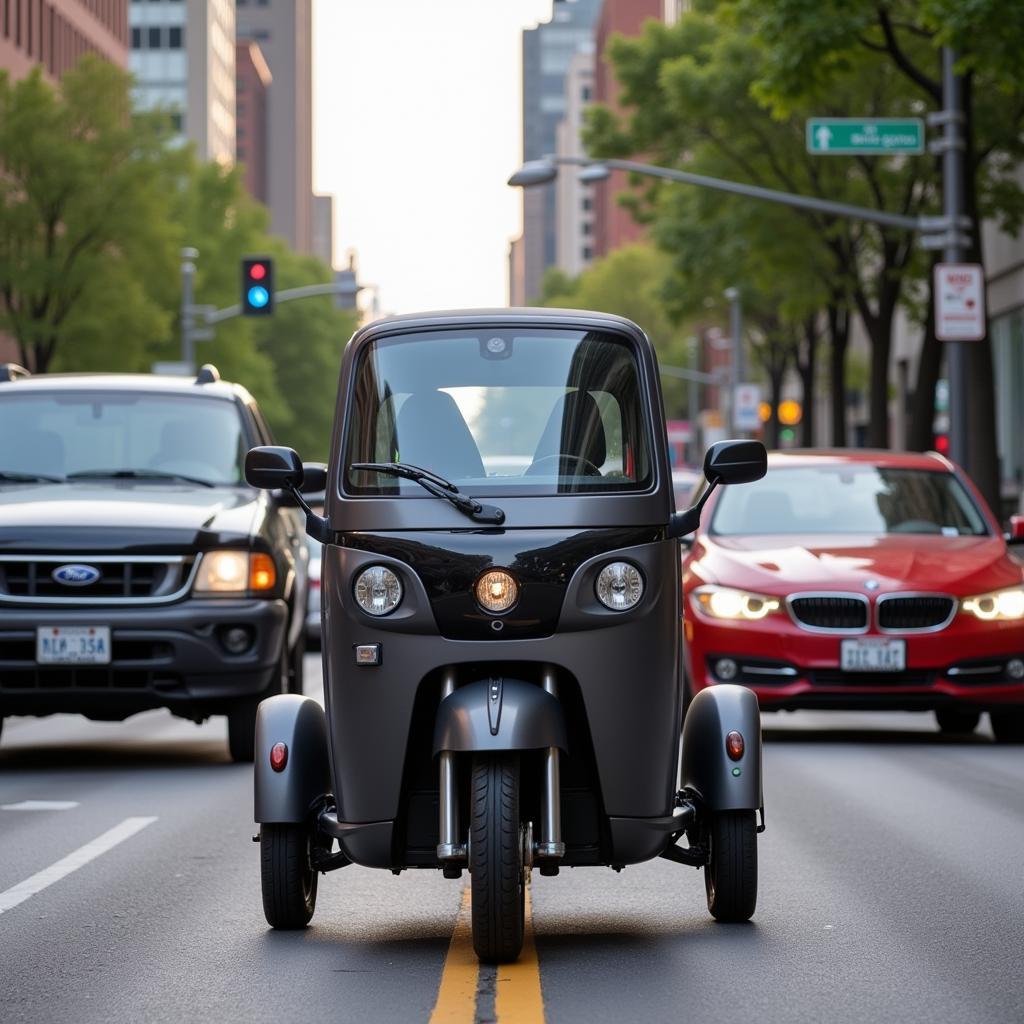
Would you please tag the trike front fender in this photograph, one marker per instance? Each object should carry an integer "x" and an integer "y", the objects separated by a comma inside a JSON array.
[
  {"x": 289, "y": 795},
  {"x": 721, "y": 783}
]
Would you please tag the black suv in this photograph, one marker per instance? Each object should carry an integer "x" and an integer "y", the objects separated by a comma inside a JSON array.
[{"x": 137, "y": 568}]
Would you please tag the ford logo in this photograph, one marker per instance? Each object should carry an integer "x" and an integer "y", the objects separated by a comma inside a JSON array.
[{"x": 76, "y": 575}]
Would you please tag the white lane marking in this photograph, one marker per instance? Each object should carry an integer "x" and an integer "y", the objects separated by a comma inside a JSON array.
[
  {"x": 10, "y": 898},
  {"x": 40, "y": 805}
]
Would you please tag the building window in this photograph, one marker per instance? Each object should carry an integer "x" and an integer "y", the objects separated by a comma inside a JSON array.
[
  {"x": 585, "y": 94},
  {"x": 586, "y": 227},
  {"x": 136, "y": 38},
  {"x": 588, "y": 203},
  {"x": 177, "y": 122},
  {"x": 588, "y": 253},
  {"x": 153, "y": 38},
  {"x": 174, "y": 36}
]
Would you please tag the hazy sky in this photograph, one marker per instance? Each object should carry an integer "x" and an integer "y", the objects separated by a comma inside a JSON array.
[{"x": 417, "y": 125}]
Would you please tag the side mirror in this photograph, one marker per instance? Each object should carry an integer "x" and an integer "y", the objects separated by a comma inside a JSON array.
[
  {"x": 1016, "y": 534},
  {"x": 735, "y": 462},
  {"x": 270, "y": 468},
  {"x": 726, "y": 462},
  {"x": 314, "y": 478}
]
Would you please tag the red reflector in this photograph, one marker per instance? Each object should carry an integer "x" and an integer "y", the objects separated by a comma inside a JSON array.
[
  {"x": 734, "y": 746},
  {"x": 278, "y": 756}
]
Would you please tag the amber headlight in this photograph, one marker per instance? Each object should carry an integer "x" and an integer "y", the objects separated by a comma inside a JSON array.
[
  {"x": 378, "y": 590},
  {"x": 619, "y": 586},
  {"x": 497, "y": 591},
  {"x": 736, "y": 605},
  {"x": 999, "y": 606},
  {"x": 234, "y": 572}
]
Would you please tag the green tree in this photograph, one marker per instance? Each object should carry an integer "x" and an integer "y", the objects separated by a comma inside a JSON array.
[
  {"x": 810, "y": 45},
  {"x": 690, "y": 100},
  {"x": 83, "y": 217}
]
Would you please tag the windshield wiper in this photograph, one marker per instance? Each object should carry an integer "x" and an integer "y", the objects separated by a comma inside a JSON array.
[
  {"x": 439, "y": 487},
  {"x": 137, "y": 474},
  {"x": 15, "y": 477}
]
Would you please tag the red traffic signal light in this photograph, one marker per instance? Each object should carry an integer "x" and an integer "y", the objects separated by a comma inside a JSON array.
[{"x": 257, "y": 286}]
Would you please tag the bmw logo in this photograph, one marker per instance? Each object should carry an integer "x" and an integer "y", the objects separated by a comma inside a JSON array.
[
  {"x": 75, "y": 575},
  {"x": 871, "y": 584}
]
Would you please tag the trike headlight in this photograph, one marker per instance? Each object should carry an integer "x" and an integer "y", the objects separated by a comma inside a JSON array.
[
  {"x": 619, "y": 586},
  {"x": 736, "y": 605},
  {"x": 378, "y": 590},
  {"x": 999, "y": 606}
]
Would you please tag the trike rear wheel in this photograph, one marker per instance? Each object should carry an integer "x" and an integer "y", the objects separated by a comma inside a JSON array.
[
  {"x": 498, "y": 881},
  {"x": 287, "y": 875},
  {"x": 730, "y": 876}
]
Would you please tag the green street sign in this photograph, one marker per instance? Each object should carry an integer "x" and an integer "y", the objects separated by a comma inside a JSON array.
[{"x": 841, "y": 136}]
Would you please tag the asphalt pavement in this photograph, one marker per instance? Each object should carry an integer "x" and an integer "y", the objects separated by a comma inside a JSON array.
[{"x": 892, "y": 889}]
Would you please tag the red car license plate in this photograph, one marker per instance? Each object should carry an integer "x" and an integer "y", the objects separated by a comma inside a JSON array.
[{"x": 872, "y": 654}]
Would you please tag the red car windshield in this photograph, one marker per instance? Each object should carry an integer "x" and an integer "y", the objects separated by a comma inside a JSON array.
[{"x": 849, "y": 499}]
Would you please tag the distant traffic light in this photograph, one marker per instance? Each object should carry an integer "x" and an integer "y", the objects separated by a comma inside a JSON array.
[{"x": 257, "y": 286}]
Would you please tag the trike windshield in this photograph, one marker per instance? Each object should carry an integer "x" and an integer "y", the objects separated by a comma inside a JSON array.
[{"x": 500, "y": 412}]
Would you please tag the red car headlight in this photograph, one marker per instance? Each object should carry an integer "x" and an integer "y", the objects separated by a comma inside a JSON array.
[
  {"x": 735, "y": 605},
  {"x": 999, "y": 606}
]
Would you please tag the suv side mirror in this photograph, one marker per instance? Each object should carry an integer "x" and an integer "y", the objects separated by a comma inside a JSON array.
[
  {"x": 271, "y": 467},
  {"x": 1016, "y": 534},
  {"x": 726, "y": 462}
]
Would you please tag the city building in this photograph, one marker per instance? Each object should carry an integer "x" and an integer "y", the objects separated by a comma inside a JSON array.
[
  {"x": 323, "y": 228},
  {"x": 547, "y": 52},
  {"x": 574, "y": 202},
  {"x": 614, "y": 225},
  {"x": 252, "y": 82},
  {"x": 283, "y": 31},
  {"x": 183, "y": 58},
  {"x": 516, "y": 273},
  {"x": 56, "y": 33}
]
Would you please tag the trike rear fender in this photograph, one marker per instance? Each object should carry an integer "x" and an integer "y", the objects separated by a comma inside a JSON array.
[
  {"x": 499, "y": 714},
  {"x": 722, "y": 783},
  {"x": 291, "y": 794}
]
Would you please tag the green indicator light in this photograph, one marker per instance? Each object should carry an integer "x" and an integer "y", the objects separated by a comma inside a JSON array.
[{"x": 737, "y": 771}]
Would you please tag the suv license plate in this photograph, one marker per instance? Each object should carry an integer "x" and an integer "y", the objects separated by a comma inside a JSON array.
[
  {"x": 870, "y": 654},
  {"x": 73, "y": 645}
]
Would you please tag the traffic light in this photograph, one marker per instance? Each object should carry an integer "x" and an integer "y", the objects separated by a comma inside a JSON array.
[{"x": 257, "y": 286}]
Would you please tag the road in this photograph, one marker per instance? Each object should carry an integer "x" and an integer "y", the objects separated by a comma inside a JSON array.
[{"x": 892, "y": 889}]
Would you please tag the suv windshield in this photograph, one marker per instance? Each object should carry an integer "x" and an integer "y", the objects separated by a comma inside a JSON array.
[
  {"x": 510, "y": 412},
  {"x": 846, "y": 499},
  {"x": 67, "y": 433}
]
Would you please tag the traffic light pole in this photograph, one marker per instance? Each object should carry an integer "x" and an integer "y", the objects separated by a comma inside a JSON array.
[{"x": 188, "y": 275}]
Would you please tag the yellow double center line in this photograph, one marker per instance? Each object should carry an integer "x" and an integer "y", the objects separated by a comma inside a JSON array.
[{"x": 517, "y": 995}]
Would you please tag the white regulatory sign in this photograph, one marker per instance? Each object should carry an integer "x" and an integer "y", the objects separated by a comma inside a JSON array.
[
  {"x": 959, "y": 302},
  {"x": 748, "y": 406}
]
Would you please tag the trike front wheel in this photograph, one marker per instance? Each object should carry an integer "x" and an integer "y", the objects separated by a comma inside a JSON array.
[
  {"x": 730, "y": 876},
  {"x": 498, "y": 880},
  {"x": 287, "y": 875}
]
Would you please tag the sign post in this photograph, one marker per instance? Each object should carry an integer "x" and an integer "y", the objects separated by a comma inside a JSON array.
[{"x": 843, "y": 136}]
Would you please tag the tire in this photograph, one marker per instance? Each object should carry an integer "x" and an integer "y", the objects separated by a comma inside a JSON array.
[
  {"x": 730, "y": 877},
  {"x": 957, "y": 723},
  {"x": 497, "y": 878},
  {"x": 242, "y": 731},
  {"x": 287, "y": 877},
  {"x": 1008, "y": 726}
]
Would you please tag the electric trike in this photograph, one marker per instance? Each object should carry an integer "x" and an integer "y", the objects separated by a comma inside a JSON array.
[{"x": 500, "y": 581}]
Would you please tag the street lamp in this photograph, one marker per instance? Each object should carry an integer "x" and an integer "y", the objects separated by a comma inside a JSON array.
[{"x": 736, "y": 339}]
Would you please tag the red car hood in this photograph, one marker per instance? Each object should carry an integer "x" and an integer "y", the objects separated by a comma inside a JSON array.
[{"x": 780, "y": 565}]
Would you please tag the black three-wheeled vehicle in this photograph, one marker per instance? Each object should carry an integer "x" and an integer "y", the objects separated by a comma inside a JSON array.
[{"x": 501, "y": 628}]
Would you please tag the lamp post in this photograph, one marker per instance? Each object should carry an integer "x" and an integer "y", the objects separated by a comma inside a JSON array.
[{"x": 737, "y": 366}]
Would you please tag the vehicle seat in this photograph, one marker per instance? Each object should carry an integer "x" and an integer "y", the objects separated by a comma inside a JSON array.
[
  {"x": 35, "y": 451},
  {"x": 432, "y": 434},
  {"x": 574, "y": 428}
]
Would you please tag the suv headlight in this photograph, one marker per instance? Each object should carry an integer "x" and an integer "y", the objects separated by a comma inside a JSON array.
[
  {"x": 999, "y": 606},
  {"x": 732, "y": 604},
  {"x": 234, "y": 572}
]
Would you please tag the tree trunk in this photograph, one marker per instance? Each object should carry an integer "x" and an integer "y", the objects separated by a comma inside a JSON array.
[
  {"x": 839, "y": 338},
  {"x": 806, "y": 367},
  {"x": 921, "y": 434}
]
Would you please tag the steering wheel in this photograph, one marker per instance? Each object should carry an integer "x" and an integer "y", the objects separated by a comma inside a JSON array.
[{"x": 580, "y": 466}]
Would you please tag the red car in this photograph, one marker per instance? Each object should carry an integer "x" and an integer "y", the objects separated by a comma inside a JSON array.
[{"x": 860, "y": 580}]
